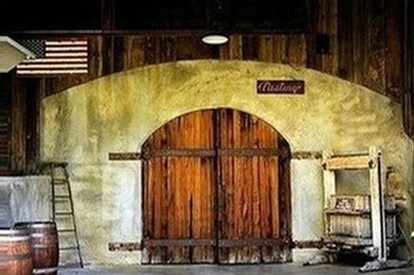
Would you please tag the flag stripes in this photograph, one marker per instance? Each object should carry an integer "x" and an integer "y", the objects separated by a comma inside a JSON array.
[{"x": 60, "y": 57}]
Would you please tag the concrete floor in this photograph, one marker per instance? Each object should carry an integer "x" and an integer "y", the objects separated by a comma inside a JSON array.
[{"x": 288, "y": 269}]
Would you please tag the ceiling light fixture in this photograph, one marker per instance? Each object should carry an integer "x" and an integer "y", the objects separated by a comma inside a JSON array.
[{"x": 215, "y": 39}]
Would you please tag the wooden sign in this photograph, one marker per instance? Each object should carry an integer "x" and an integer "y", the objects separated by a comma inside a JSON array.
[{"x": 280, "y": 86}]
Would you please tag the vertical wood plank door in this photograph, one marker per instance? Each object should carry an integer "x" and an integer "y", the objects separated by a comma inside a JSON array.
[
  {"x": 215, "y": 190},
  {"x": 252, "y": 224},
  {"x": 179, "y": 200}
]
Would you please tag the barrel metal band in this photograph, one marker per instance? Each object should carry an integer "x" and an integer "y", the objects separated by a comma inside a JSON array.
[
  {"x": 46, "y": 246},
  {"x": 41, "y": 235},
  {"x": 14, "y": 239},
  {"x": 29, "y": 225}
]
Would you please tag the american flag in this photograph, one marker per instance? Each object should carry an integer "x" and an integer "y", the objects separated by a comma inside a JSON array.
[
  {"x": 36, "y": 46},
  {"x": 53, "y": 57}
]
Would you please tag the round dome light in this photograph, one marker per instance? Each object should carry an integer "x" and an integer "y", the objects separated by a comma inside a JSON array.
[{"x": 215, "y": 39}]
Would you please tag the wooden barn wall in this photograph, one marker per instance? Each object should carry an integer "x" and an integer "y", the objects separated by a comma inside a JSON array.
[
  {"x": 365, "y": 47},
  {"x": 5, "y": 104}
]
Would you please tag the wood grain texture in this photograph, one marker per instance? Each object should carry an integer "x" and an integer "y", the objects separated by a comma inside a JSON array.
[
  {"x": 179, "y": 191},
  {"x": 345, "y": 38},
  {"x": 365, "y": 47},
  {"x": 233, "y": 50},
  {"x": 15, "y": 252},
  {"x": 393, "y": 62},
  {"x": 232, "y": 199},
  {"x": 248, "y": 187},
  {"x": 44, "y": 245},
  {"x": 351, "y": 162},
  {"x": 326, "y": 23},
  {"x": 18, "y": 127},
  {"x": 5, "y": 113}
]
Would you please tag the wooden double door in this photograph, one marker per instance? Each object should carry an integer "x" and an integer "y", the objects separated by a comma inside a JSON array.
[{"x": 216, "y": 190}]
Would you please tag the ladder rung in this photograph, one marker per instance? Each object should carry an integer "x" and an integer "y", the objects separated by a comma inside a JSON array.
[
  {"x": 71, "y": 265},
  {"x": 64, "y": 213},
  {"x": 62, "y": 196},
  {"x": 61, "y": 200},
  {"x": 60, "y": 182},
  {"x": 56, "y": 164}
]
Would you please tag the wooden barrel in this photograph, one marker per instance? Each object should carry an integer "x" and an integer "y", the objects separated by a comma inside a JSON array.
[
  {"x": 45, "y": 245},
  {"x": 15, "y": 252}
]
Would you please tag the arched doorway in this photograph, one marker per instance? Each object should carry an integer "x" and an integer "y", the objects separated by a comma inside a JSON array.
[{"x": 216, "y": 189}]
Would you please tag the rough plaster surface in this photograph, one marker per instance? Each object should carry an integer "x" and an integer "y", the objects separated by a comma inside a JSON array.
[
  {"x": 29, "y": 198},
  {"x": 307, "y": 255},
  {"x": 117, "y": 113},
  {"x": 5, "y": 211},
  {"x": 307, "y": 193}
]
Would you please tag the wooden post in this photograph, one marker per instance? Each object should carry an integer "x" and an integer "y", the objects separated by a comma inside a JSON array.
[
  {"x": 376, "y": 177},
  {"x": 329, "y": 185}
]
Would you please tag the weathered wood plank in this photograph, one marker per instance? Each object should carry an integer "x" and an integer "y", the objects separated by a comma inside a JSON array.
[
  {"x": 393, "y": 54},
  {"x": 359, "y": 41},
  {"x": 108, "y": 55},
  {"x": 167, "y": 49},
  {"x": 31, "y": 127},
  {"x": 150, "y": 56},
  {"x": 348, "y": 162},
  {"x": 279, "y": 49},
  {"x": 329, "y": 183},
  {"x": 191, "y": 48},
  {"x": 376, "y": 38},
  {"x": 285, "y": 209},
  {"x": 377, "y": 180},
  {"x": 5, "y": 116},
  {"x": 250, "y": 47},
  {"x": 345, "y": 38},
  {"x": 248, "y": 192},
  {"x": 326, "y": 18},
  {"x": 185, "y": 201},
  {"x": 266, "y": 49},
  {"x": 18, "y": 126},
  {"x": 233, "y": 49},
  {"x": 119, "y": 53},
  {"x": 297, "y": 53},
  {"x": 134, "y": 55}
]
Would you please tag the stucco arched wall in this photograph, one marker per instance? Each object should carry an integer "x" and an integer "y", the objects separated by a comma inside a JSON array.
[{"x": 117, "y": 113}]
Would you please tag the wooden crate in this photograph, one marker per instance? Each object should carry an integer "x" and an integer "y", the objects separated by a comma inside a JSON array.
[{"x": 350, "y": 216}]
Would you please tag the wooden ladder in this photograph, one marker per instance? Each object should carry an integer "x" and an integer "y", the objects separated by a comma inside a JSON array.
[{"x": 63, "y": 214}]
